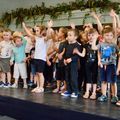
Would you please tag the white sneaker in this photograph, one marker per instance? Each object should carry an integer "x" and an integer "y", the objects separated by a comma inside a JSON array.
[
  {"x": 39, "y": 90},
  {"x": 34, "y": 89},
  {"x": 25, "y": 86},
  {"x": 14, "y": 86},
  {"x": 73, "y": 95}
]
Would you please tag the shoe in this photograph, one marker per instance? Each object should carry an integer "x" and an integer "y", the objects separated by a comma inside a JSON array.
[
  {"x": 39, "y": 90},
  {"x": 25, "y": 86},
  {"x": 56, "y": 90},
  {"x": 35, "y": 89},
  {"x": 6, "y": 85},
  {"x": 93, "y": 97},
  {"x": 14, "y": 86},
  {"x": 102, "y": 98},
  {"x": 30, "y": 83},
  {"x": 86, "y": 95},
  {"x": 74, "y": 95},
  {"x": 118, "y": 103},
  {"x": 1, "y": 84},
  {"x": 114, "y": 99},
  {"x": 66, "y": 94}
]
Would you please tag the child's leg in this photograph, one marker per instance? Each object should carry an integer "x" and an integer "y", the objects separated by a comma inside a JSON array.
[
  {"x": 9, "y": 77},
  {"x": 41, "y": 80},
  {"x": 15, "y": 85},
  {"x": 25, "y": 83},
  {"x": 3, "y": 76},
  {"x": 104, "y": 88},
  {"x": 114, "y": 89},
  {"x": 58, "y": 87},
  {"x": 93, "y": 96},
  {"x": 88, "y": 87}
]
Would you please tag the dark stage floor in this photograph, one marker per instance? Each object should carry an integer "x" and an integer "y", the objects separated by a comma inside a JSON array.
[{"x": 80, "y": 105}]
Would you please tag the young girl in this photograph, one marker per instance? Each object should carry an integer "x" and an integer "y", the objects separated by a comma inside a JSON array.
[
  {"x": 40, "y": 54},
  {"x": 91, "y": 63},
  {"x": 60, "y": 67},
  {"x": 6, "y": 46}
]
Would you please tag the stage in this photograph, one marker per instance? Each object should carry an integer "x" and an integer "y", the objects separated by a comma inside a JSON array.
[{"x": 21, "y": 104}]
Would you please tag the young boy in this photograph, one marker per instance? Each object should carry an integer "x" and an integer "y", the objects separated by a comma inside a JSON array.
[
  {"x": 107, "y": 62},
  {"x": 19, "y": 58},
  {"x": 71, "y": 64},
  {"x": 5, "y": 54}
]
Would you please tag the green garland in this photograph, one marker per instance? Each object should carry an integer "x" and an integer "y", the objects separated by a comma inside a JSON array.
[{"x": 21, "y": 14}]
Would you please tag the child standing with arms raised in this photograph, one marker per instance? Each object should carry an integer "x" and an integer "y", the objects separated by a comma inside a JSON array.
[{"x": 40, "y": 54}]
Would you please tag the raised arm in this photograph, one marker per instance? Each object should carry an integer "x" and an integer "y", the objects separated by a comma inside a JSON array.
[
  {"x": 99, "y": 24},
  {"x": 28, "y": 32},
  {"x": 112, "y": 14}
]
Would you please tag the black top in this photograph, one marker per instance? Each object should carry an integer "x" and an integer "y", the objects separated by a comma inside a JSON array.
[{"x": 69, "y": 51}]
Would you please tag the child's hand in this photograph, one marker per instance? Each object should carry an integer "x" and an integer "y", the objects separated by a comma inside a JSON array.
[
  {"x": 112, "y": 13},
  {"x": 23, "y": 24},
  {"x": 72, "y": 25},
  {"x": 68, "y": 60},
  {"x": 11, "y": 63},
  {"x": 65, "y": 62},
  {"x": 100, "y": 64},
  {"x": 48, "y": 63},
  {"x": 75, "y": 51},
  {"x": 118, "y": 71},
  {"x": 50, "y": 23},
  {"x": 60, "y": 56}
]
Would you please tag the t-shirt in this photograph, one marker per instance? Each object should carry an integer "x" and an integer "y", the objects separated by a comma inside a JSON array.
[
  {"x": 91, "y": 55},
  {"x": 69, "y": 51},
  {"x": 108, "y": 53},
  {"x": 19, "y": 52},
  {"x": 40, "y": 49},
  {"x": 5, "y": 49}
]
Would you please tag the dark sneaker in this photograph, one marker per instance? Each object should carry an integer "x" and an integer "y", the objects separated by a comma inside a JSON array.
[
  {"x": 6, "y": 85},
  {"x": 66, "y": 94},
  {"x": 114, "y": 99},
  {"x": 102, "y": 98},
  {"x": 1, "y": 84},
  {"x": 30, "y": 83}
]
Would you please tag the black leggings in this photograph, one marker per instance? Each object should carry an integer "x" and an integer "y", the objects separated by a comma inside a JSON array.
[{"x": 91, "y": 72}]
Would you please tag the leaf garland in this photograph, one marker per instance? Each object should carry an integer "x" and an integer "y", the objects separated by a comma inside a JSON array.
[{"x": 20, "y": 14}]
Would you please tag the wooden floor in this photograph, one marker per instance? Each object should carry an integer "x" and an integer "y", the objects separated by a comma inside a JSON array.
[{"x": 81, "y": 105}]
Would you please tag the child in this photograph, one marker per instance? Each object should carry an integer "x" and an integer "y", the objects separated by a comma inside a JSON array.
[
  {"x": 60, "y": 67},
  {"x": 5, "y": 54},
  {"x": 19, "y": 58},
  {"x": 71, "y": 64},
  {"x": 91, "y": 66},
  {"x": 107, "y": 63},
  {"x": 40, "y": 54}
]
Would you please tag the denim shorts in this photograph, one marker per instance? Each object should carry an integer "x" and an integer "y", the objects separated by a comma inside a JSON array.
[
  {"x": 108, "y": 73},
  {"x": 33, "y": 69}
]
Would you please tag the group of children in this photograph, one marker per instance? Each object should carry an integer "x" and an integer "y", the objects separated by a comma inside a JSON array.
[{"x": 75, "y": 58}]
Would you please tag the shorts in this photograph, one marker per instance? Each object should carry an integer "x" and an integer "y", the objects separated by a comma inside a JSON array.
[
  {"x": 5, "y": 65},
  {"x": 60, "y": 73},
  {"x": 33, "y": 69},
  {"x": 108, "y": 74},
  {"x": 20, "y": 70},
  {"x": 39, "y": 65}
]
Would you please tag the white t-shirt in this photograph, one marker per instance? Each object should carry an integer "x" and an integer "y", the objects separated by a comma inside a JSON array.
[
  {"x": 5, "y": 49},
  {"x": 40, "y": 49}
]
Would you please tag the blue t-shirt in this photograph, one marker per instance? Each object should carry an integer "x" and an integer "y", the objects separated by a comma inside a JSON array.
[{"x": 108, "y": 53}]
